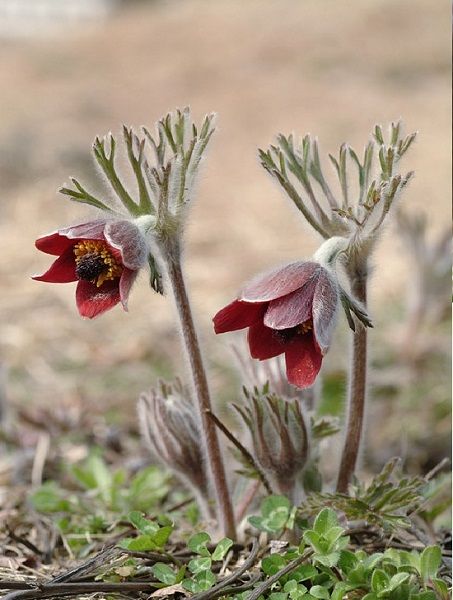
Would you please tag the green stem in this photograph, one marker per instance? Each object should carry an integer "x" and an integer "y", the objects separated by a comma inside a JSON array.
[
  {"x": 211, "y": 441},
  {"x": 357, "y": 387}
]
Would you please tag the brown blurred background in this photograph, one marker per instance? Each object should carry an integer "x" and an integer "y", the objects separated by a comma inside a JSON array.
[{"x": 72, "y": 70}]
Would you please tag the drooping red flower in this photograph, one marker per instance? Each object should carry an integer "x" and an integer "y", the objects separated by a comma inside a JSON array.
[
  {"x": 103, "y": 256},
  {"x": 290, "y": 310}
]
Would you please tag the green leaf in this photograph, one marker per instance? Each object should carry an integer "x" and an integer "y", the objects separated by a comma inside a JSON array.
[
  {"x": 197, "y": 543},
  {"x": 143, "y": 525},
  {"x": 303, "y": 572},
  {"x": 270, "y": 565},
  {"x": 441, "y": 588},
  {"x": 397, "y": 580},
  {"x": 430, "y": 562},
  {"x": 278, "y": 596},
  {"x": 379, "y": 580},
  {"x": 49, "y": 499},
  {"x": 294, "y": 589},
  {"x": 328, "y": 560},
  {"x": 426, "y": 595},
  {"x": 202, "y": 563},
  {"x": 325, "y": 520},
  {"x": 222, "y": 548},
  {"x": 312, "y": 538},
  {"x": 201, "y": 582},
  {"x": 164, "y": 573},
  {"x": 142, "y": 543},
  {"x": 320, "y": 592},
  {"x": 160, "y": 538},
  {"x": 341, "y": 588},
  {"x": 348, "y": 561},
  {"x": 334, "y": 534},
  {"x": 273, "y": 504}
]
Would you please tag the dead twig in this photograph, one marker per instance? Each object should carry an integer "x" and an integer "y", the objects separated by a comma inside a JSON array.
[
  {"x": 274, "y": 578},
  {"x": 58, "y": 590},
  {"x": 214, "y": 591}
]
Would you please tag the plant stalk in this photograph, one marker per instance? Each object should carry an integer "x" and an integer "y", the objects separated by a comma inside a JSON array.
[
  {"x": 211, "y": 441},
  {"x": 357, "y": 388}
]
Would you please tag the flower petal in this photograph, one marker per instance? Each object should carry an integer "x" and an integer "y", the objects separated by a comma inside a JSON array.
[
  {"x": 127, "y": 238},
  {"x": 292, "y": 309},
  {"x": 53, "y": 243},
  {"x": 93, "y": 230},
  {"x": 264, "y": 342},
  {"x": 303, "y": 361},
  {"x": 279, "y": 282},
  {"x": 325, "y": 306},
  {"x": 93, "y": 301},
  {"x": 237, "y": 315},
  {"x": 63, "y": 270},
  {"x": 127, "y": 279}
]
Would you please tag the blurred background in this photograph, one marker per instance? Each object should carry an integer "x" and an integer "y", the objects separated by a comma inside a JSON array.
[{"x": 74, "y": 69}]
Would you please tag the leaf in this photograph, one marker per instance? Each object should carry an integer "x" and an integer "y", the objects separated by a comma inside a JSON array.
[
  {"x": 430, "y": 562},
  {"x": 163, "y": 573},
  {"x": 341, "y": 588},
  {"x": 273, "y": 504},
  {"x": 222, "y": 548},
  {"x": 197, "y": 543},
  {"x": 49, "y": 499},
  {"x": 143, "y": 525},
  {"x": 328, "y": 560},
  {"x": 202, "y": 563},
  {"x": 379, "y": 580},
  {"x": 348, "y": 561},
  {"x": 270, "y": 565},
  {"x": 294, "y": 589},
  {"x": 440, "y": 588},
  {"x": 303, "y": 572},
  {"x": 397, "y": 580},
  {"x": 320, "y": 592},
  {"x": 200, "y": 583},
  {"x": 312, "y": 538},
  {"x": 142, "y": 543},
  {"x": 160, "y": 538},
  {"x": 325, "y": 520}
]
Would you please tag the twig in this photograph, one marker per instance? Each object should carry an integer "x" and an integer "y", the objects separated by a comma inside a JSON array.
[
  {"x": 271, "y": 580},
  {"x": 242, "y": 449},
  {"x": 212, "y": 593},
  {"x": 238, "y": 588},
  {"x": 58, "y": 590},
  {"x": 88, "y": 566},
  {"x": 24, "y": 542},
  {"x": 42, "y": 450}
]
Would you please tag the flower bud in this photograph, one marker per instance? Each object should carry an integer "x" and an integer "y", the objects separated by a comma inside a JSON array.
[
  {"x": 279, "y": 438},
  {"x": 170, "y": 426}
]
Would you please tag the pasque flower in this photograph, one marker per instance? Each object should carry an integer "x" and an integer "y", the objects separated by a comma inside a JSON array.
[
  {"x": 103, "y": 256},
  {"x": 292, "y": 311}
]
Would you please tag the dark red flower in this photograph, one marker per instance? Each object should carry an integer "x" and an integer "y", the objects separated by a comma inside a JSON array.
[
  {"x": 103, "y": 256},
  {"x": 290, "y": 310}
]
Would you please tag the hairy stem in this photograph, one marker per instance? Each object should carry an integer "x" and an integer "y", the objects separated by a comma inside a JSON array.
[
  {"x": 357, "y": 387},
  {"x": 211, "y": 441}
]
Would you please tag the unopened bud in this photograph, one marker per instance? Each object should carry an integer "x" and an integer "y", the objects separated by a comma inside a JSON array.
[
  {"x": 279, "y": 438},
  {"x": 170, "y": 426}
]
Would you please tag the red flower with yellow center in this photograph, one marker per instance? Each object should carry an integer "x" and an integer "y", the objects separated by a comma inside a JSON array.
[
  {"x": 290, "y": 311},
  {"x": 103, "y": 256}
]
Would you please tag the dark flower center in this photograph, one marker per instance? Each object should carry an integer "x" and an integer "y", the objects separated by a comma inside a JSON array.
[
  {"x": 90, "y": 266},
  {"x": 95, "y": 262},
  {"x": 286, "y": 335}
]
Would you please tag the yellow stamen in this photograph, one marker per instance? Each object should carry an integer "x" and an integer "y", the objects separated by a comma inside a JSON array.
[
  {"x": 305, "y": 327},
  {"x": 98, "y": 249}
]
